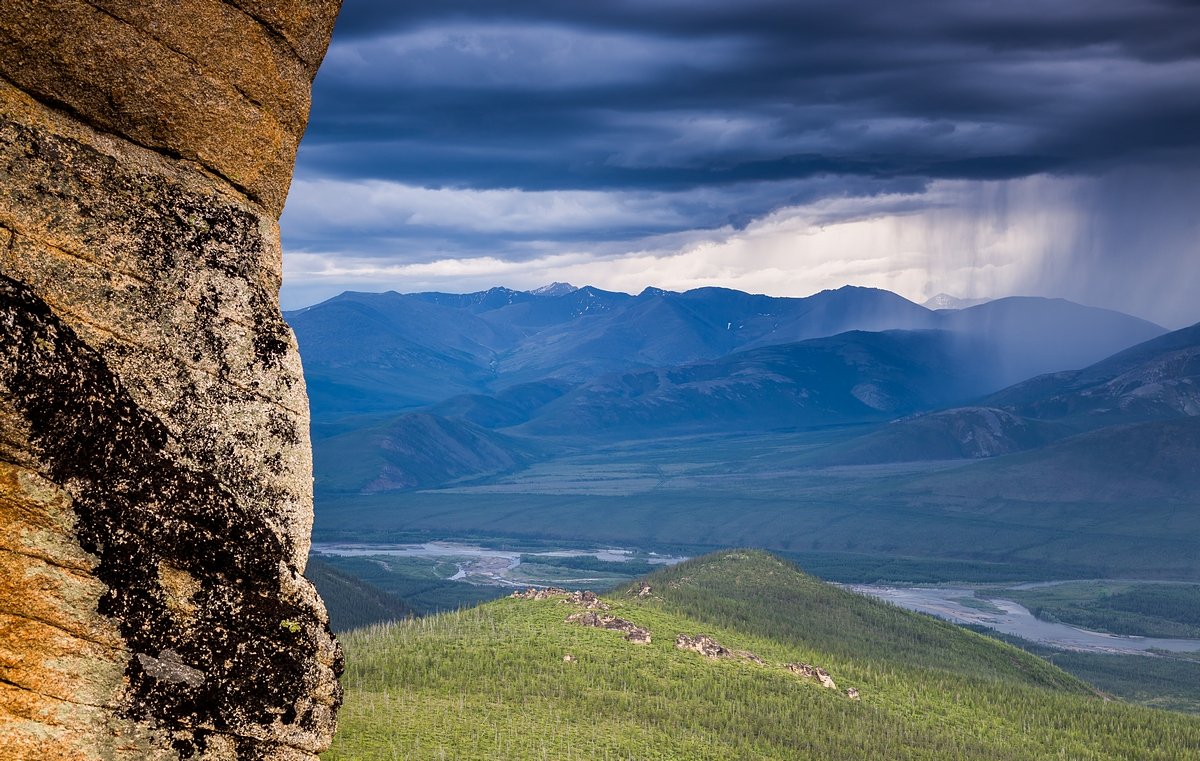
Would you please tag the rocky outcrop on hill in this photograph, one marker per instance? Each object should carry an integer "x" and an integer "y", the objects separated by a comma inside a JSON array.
[
  {"x": 634, "y": 633},
  {"x": 155, "y": 470},
  {"x": 710, "y": 648},
  {"x": 533, "y": 593},
  {"x": 809, "y": 671},
  {"x": 586, "y": 599}
]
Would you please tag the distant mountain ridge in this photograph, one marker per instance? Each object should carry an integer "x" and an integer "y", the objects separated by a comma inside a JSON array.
[
  {"x": 554, "y": 289},
  {"x": 389, "y": 351},
  {"x": 414, "y": 391},
  {"x": 1024, "y": 431},
  {"x": 416, "y": 450},
  {"x": 1157, "y": 379}
]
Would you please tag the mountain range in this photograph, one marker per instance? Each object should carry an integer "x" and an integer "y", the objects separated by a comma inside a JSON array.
[
  {"x": 370, "y": 353},
  {"x": 1025, "y": 431},
  {"x": 421, "y": 390}
]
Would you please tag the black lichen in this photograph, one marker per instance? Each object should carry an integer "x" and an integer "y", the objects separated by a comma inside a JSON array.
[{"x": 138, "y": 508}]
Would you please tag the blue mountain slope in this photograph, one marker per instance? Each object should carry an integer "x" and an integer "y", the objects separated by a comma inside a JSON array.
[
  {"x": 852, "y": 377},
  {"x": 379, "y": 352},
  {"x": 1031, "y": 336},
  {"x": 1158, "y": 380}
]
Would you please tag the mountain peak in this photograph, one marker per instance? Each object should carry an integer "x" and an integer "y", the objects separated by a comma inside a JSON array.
[
  {"x": 554, "y": 289},
  {"x": 946, "y": 301},
  {"x": 652, "y": 291}
]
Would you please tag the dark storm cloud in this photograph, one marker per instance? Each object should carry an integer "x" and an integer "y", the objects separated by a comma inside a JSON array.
[
  {"x": 473, "y": 128},
  {"x": 552, "y": 94}
]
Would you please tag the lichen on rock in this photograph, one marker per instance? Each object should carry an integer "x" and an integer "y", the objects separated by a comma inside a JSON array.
[{"x": 155, "y": 468}]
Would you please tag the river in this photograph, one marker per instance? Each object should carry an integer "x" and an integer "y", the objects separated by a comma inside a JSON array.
[
  {"x": 479, "y": 564},
  {"x": 1013, "y": 618}
]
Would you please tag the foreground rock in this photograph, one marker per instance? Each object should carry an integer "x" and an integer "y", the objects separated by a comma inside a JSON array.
[
  {"x": 155, "y": 469},
  {"x": 634, "y": 633}
]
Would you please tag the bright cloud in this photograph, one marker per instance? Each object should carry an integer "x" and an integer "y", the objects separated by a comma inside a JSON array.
[{"x": 883, "y": 241}]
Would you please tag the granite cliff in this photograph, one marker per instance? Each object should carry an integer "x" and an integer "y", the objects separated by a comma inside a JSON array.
[{"x": 155, "y": 468}]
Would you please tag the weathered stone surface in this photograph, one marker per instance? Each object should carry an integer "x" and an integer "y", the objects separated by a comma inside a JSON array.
[
  {"x": 585, "y": 598},
  {"x": 205, "y": 80},
  {"x": 155, "y": 470}
]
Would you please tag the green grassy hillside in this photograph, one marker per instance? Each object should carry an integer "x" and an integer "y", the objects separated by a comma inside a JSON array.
[{"x": 492, "y": 682}]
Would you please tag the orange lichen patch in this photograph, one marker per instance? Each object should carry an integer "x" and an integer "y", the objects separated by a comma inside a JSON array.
[
  {"x": 305, "y": 25},
  {"x": 34, "y": 589},
  {"x": 180, "y": 588},
  {"x": 227, "y": 44},
  {"x": 54, "y": 646},
  {"x": 36, "y": 519},
  {"x": 53, "y": 661},
  {"x": 28, "y": 740},
  {"x": 47, "y": 729}
]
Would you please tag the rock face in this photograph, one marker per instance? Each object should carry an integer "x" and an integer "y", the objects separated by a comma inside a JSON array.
[
  {"x": 155, "y": 470},
  {"x": 585, "y": 599}
]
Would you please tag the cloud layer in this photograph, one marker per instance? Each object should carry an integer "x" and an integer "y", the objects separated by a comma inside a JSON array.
[{"x": 614, "y": 142}]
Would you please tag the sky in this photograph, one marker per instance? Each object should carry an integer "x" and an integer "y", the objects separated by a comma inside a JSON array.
[{"x": 980, "y": 149}]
